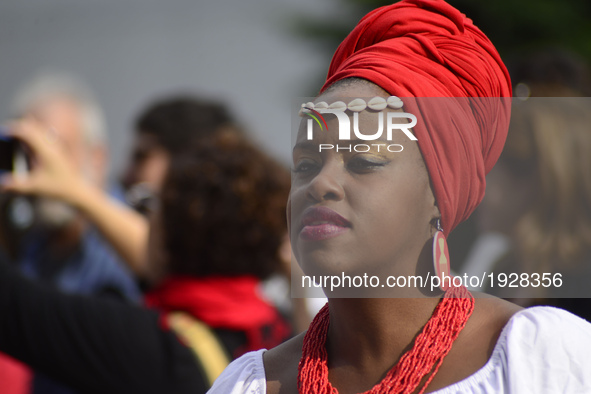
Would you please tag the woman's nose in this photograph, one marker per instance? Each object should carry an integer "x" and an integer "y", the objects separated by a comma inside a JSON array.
[{"x": 327, "y": 184}]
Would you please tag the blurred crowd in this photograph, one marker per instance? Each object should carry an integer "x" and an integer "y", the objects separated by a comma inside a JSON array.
[
  {"x": 154, "y": 283},
  {"x": 536, "y": 214},
  {"x": 195, "y": 225}
]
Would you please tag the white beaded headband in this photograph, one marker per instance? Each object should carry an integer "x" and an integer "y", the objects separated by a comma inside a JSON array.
[{"x": 357, "y": 105}]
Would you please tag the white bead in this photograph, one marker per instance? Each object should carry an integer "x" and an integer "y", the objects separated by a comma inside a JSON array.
[
  {"x": 303, "y": 110},
  {"x": 357, "y": 105},
  {"x": 338, "y": 105},
  {"x": 310, "y": 105},
  {"x": 377, "y": 103},
  {"x": 321, "y": 105},
  {"x": 395, "y": 102}
]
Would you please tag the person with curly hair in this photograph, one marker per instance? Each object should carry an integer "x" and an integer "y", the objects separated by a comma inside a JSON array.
[
  {"x": 162, "y": 130},
  {"x": 216, "y": 234}
]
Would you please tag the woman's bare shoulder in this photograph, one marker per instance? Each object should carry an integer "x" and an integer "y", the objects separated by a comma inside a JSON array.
[
  {"x": 493, "y": 311},
  {"x": 281, "y": 366},
  {"x": 490, "y": 316}
]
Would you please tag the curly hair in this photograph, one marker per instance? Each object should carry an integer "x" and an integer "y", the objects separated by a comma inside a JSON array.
[
  {"x": 176, "y": 120},
  {"x": 223, "y": 209}
]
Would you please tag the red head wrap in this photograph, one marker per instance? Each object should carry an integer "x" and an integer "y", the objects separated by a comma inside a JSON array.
[{"x": 427, "y": 48}]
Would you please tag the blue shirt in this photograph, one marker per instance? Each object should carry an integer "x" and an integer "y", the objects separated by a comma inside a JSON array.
[{"x": 92, "y": 268}]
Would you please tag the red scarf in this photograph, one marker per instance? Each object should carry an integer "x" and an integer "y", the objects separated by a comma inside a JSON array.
[
  {"x": 230, "y": 303},
  {"x": 427, "y": 48}
]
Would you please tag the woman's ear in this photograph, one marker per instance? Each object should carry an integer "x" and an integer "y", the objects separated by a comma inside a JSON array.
[
  {"x": 435, "y": 216},
  {"x": 434, "y": 212}
]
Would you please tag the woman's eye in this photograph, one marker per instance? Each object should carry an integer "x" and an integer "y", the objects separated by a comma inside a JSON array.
[
  {"x": 359, "y": 164},
  {"x": 304, "y": 166}
]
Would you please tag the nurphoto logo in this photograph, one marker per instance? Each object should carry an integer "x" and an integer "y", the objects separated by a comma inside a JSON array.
[{"x": 392, "y": 123}]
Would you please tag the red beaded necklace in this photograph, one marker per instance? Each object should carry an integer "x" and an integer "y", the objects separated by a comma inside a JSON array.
[{"x": 429, "y": 349}]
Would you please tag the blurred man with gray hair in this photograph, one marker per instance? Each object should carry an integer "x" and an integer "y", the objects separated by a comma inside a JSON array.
[
  {"x": 61, "y": 247},
  {"x": 51, "y": 241}
]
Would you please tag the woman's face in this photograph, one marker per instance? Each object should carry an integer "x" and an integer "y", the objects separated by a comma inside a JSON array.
[{"x": 358, "y": 212}]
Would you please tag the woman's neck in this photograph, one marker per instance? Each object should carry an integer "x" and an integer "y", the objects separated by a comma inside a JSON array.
[{"x": 372, "y": 334}]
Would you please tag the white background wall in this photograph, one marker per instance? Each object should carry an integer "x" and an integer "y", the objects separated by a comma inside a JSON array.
[{"x": 130, "y": 51}]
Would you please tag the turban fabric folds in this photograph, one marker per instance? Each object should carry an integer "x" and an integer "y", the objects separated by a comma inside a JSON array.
[{"x": 427, "y": 49}]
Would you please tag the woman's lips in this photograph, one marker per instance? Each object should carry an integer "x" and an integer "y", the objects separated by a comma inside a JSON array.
[{"x": 320, "y": 223}]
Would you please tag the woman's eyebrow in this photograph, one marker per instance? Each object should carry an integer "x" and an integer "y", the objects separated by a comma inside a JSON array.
[{"x": 306, "y": 145}]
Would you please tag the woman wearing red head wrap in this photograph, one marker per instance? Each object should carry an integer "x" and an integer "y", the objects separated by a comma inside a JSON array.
[{"x": 364, "y": 207}]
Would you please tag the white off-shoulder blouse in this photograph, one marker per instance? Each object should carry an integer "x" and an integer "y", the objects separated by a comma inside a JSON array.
[{"x": 540, "y": 350}]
